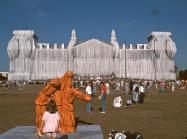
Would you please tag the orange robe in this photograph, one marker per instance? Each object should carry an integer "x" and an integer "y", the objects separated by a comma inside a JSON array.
[
  {"x": 66, "y": 108},
  {"x": 43, "y": 99},
  {"x": 61, "y": 91}
]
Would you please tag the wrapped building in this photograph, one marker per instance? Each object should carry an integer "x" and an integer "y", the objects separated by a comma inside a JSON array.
[{"x": 30, "y": 60}]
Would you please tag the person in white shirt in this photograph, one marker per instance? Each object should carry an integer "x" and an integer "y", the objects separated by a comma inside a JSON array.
[
  {"x": 135, "y": 93},
  {"x": 107, "y": 88},
  {"x": 122, "y": 83},
  {"x": 141, "y": 93},
  {"x": 117, "y": 102},
  {"x": 141, "y": 88},
  {"x": 89, "y": 92},
  {"x": 81, "y": 83}
]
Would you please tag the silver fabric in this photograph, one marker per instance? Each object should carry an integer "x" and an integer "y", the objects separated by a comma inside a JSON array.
[{"x": 30, "y": 60}]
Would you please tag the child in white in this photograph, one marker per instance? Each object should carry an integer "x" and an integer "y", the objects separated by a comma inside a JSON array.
[{"x": 50, "y": 121}]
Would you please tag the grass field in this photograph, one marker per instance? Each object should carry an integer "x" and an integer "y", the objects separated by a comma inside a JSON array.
[{"x": 162, "y": 116}]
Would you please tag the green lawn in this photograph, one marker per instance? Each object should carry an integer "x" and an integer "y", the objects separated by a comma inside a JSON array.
[{"x": 162, "y": 116}]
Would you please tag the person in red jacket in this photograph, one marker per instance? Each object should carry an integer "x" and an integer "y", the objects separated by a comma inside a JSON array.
[{"x": 103, "y": 97}]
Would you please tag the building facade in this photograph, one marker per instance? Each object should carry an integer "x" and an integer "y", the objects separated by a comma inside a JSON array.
[{"x": 30, "y": 60}]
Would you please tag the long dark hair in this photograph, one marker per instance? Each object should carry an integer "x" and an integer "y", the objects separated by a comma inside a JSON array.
[{"x": 51, "y": 107}]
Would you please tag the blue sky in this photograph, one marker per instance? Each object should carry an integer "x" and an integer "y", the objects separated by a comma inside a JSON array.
[{"x": 133, "y": 20}]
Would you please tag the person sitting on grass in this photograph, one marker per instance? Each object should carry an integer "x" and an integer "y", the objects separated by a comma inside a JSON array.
[
  {"x": 50, "y": 121},
  {"x": 128, "y": 103},
  {"x": 117, "y": 103}
]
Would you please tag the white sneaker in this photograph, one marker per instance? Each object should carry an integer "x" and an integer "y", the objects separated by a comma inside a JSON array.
[{"x": 103, "y": 112}]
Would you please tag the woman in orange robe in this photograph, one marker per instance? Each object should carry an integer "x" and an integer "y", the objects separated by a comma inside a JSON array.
[{"x": 62, "y": 92}]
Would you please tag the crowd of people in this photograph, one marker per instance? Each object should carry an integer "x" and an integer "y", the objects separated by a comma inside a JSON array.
[
  {"x": 122, "y": 84},
  {"x": 135, "y": 90},
  {"x": 103, "y": 85},
  {"x": 102, "y": 88},
  {"x": 119, "y": 84},
  {"x": 58, "y": 96}
]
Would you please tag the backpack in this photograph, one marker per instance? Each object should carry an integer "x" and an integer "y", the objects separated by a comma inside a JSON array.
[{"x": 137, "y": 89}]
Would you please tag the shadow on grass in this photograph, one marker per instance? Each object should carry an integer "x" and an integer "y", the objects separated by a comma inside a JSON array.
[
  {"x": 3, "y": 94},
  {"x": 10, "y": 95}
]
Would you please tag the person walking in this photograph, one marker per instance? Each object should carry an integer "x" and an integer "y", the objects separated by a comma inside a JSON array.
[
  {"x": 94, "y": 87},
  {"x": 118, "y": 87},
  {"x": 89, "y": 92},
  {"x": 141, "y": 93},
  {"x": 135, "y": 93},
  {"x": 126, "y": 88},
  {"x": 131, "y": 83}
]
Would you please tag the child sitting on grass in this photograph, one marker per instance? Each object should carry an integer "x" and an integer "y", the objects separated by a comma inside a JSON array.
[
  {"x": 50, "y": 121},
  {"x": 128, "y": 104}
]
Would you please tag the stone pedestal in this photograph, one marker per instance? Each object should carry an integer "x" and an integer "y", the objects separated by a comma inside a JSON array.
[{"x": 27, "y": 132}]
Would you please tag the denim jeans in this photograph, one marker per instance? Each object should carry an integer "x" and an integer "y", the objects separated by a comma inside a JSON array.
[
  {"x": 88, "y": 107},
  {"x": 135, "y": 96},
  {"x": 94, "y": 90},
  {"x": 103, "y": 103}
]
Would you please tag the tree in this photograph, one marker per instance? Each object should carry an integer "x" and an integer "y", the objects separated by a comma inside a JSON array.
[
  {"x": 183, "y": 74},
  {"x": 2, "y": 77}
]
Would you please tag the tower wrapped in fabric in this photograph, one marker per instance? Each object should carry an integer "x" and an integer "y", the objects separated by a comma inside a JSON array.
[
  {"x": 164, "y": 49},
  {"x": 20, "y": 51},
  {"x": 30, "y": 60}
]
